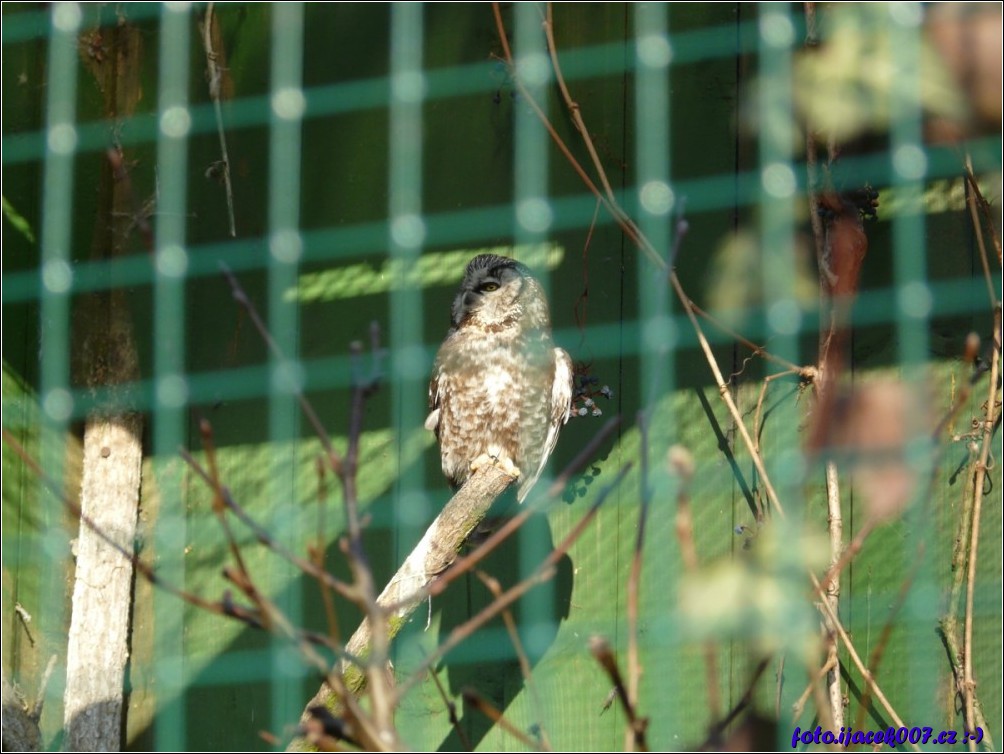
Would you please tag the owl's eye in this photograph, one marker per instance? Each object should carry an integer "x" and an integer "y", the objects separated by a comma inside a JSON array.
[{"x": 488, "y": 287}]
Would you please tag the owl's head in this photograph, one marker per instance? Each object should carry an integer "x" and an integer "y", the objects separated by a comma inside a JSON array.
[{"x": 499, "y": 291}]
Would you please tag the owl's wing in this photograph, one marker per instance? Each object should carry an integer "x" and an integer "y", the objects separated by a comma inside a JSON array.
[
  {"x": 432, "y": 420},
  {"x": 561, "y": 407}
]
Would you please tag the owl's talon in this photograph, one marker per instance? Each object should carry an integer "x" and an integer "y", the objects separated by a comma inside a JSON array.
[
  {"x": 503, "y": 463},
  {"x": 508, "y": 467}
]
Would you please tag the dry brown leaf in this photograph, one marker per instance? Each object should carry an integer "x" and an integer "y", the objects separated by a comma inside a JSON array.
[{"x": 871, "y": 427}]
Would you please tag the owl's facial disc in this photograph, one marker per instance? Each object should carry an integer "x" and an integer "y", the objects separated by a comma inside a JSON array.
[{"x": 490, "y": 290}]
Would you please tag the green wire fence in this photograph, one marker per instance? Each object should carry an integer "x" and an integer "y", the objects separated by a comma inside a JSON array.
[{"x": 344, "y": 162}]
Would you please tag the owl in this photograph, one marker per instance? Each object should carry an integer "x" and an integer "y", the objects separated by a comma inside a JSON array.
[{"x": 500, "y": 390}]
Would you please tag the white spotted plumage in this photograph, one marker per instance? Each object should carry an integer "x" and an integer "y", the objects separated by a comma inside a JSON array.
[{"x": 499, "y": 388}]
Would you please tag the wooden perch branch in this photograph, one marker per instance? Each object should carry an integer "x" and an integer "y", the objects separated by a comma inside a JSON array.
[
  {"x": 437, "y": 549},
  {"x": 461, "y": 515},
  {"x": 424, "y": 573},
  {"x": 542, "y": 573}
]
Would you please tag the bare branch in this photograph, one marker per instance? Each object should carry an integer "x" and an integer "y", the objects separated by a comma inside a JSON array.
[
  {"x": 427, "y": 571},
  {"x": 486, "y": 708},
  {"x": 972, "y": 196},
  {"x": 316, "y": 552},
  {"x": 241, "y": 297},
  {"x": 681, "y": 464},
  {"x": 799, "y": 706},
  {"x": 866, "y": 674},
  {"x": 543, "y": 572},
  {"x": 989, "y": 421},
  {"x": 466, "y": 563},
  {"x": 806, "y": 373},
  {"x": 875, "y": 660},
  {"x": 955, "y": 660},
  {"x": 451, "y": 710},
  {"x": 524, "y": 662},
  {"x": 719, "y": 727},
  {"x": 604, "y": 655},
  {"x": 622, "y": 219},
  {"x": 631, "y": 230},
  {"x": 219, "y": 507},
  {"x": 436, "y": 550},
  {"x": 267, "y": 615},
  {"x": 215, "y": 76},
  {"x": 634, "y": 575},
  {"x": 573, "y": 106},
  {"x": 264, "y": 537}
]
